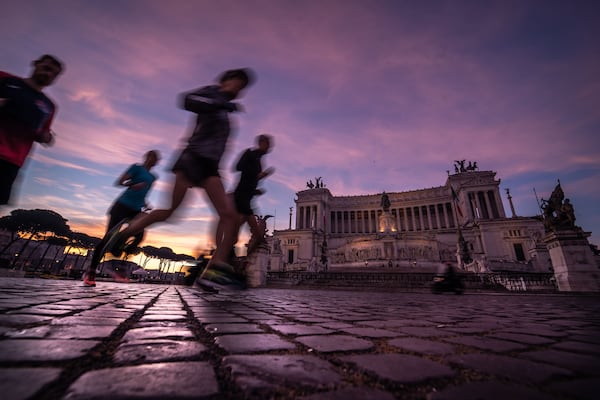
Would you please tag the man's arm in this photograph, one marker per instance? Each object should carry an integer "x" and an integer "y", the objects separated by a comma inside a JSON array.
[
  {"x": 3, "y": 76},
  {"x": 266, "y": 172},
  {"x": 126, "y": 180},
  {"x": 45, "y": 135},
  {"x": 204, "y": 101}
]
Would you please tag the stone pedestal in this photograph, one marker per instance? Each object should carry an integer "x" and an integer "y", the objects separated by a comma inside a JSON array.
[
  {"x": 256, "y": 269},
  {"x": 540, "y": 258},
  {"x": 387, "y": 224},
  {"x": 573, "y": 262},
  {"x": 276, "y": 261}
]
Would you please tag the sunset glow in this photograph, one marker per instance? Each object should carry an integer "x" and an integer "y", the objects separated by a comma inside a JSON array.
[{"x": 371, "y": 96}]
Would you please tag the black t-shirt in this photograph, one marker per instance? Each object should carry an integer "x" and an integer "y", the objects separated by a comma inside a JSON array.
[
  {"x": 24, "y": 104},
  {"x": 250, "y": 167}
]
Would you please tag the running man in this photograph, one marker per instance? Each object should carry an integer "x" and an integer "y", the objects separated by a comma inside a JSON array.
[
  {"x": 251, "y": 170},
  {"x": 138, "y": 180},
  {"x": 198, "y": 166},
  {"x": 26, "y": 114}
]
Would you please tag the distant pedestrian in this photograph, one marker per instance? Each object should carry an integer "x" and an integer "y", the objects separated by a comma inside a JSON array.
[
  {"x": 26, "y": 114},
  {"x": 198, "y": 166},
  {"x": 138, "y": 179}
]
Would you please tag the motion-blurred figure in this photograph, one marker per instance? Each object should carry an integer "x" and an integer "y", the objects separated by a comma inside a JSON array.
[
  {"x": 198, "y": 166},
  {"x": 138, "y": 180},
  {"x": 250, "y": 166},
  {"x": 26, "y": 114}
]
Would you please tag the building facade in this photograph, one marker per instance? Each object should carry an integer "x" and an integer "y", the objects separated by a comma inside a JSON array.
[{"x": 462, "y": 222}]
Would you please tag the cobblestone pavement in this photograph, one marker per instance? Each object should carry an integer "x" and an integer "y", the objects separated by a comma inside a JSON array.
[{"x": 59, "y": 340}]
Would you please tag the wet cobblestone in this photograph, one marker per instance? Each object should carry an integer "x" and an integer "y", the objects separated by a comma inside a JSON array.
[{"x": 59, "y": 340}]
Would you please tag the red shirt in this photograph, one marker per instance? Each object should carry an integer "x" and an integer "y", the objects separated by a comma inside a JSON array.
[{"x": 23, "y": 117}]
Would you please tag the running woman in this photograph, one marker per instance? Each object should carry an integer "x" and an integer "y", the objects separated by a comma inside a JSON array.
[{"x": 138, "y": 180}]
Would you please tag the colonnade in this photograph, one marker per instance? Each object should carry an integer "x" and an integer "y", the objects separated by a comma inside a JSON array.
[
  {"x": 480, "y": 205},
  {"x": 483, "y": 205},
  {"x": 407, "y": 219}
]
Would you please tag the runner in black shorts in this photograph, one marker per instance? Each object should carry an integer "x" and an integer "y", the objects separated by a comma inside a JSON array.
[
  {"x": 251, "y": 170},
  {"x": 198, "y": 166}
]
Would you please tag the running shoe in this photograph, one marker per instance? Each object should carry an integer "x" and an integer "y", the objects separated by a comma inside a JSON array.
[
  {"x": 205, "y": 286},
  {"x": 89, "y": 282},
  {"x": 221, "y": 275}
]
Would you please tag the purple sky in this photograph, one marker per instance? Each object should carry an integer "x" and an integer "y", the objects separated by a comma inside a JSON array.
[{"x": 370, "y": 95}]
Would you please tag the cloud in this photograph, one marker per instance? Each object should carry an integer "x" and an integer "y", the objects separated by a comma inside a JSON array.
[{"x": 372, "y": 97}]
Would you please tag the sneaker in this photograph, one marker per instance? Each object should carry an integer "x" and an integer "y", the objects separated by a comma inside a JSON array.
[
  {"x": 205, "y": 286},
  {"x": 221, "y": 275},
  {"x": 89, "y": 282}
]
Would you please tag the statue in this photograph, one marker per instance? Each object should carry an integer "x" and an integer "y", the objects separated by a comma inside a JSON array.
[
  {"x": 556, "y": 213},
  {"x": 385, "y": 202},
  {"x": 317, "y": 185},
  {"x": 319, "y": 182},
  {"x": 386, "y": 220},
  {"x": 566, "y": 214},
  {"x": 258, "y": 239},
  {"x": 459, "y": 166}
]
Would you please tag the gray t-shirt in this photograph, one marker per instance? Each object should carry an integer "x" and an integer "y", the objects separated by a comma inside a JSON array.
[{"x": 212, "y": 128}]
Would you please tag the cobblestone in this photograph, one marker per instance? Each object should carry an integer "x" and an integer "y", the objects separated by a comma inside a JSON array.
[{"x": 59, "y": 340}]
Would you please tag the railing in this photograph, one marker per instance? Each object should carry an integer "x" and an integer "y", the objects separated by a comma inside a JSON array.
[{"x": 500, "y": 281}]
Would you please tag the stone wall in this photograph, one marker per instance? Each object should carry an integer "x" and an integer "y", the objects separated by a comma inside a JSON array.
[{"x": 501, "y": 282}]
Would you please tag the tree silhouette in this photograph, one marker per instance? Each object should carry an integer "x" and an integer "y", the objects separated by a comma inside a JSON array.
[
  {"x": 166, "y": 257},
  {"x": 150, "y": 252},
  {"x": 34, "y": 223},
  {"x": 48, "y": 228},
  {"x": 83, "y": 241},
  {"x": 50, "y": 242}
]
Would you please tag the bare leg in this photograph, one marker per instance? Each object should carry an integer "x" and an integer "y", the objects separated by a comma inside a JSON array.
[
  {"x": 239, "y": 221},
  {"x": 219, "y": 228},
  {"x": 227, "y": 217},
  {"x": 97, "y": 256},
  {"x": 139, "y": 223}
]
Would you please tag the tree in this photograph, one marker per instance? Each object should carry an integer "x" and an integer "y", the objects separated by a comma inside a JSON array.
[
  {"x": 166, "y": 257},
  {"x": 83, "y": 241},
  {"x": 52, "y": 241},
  {"x": 150, "y": 252},
  {"x": 33, "y": 223}
]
